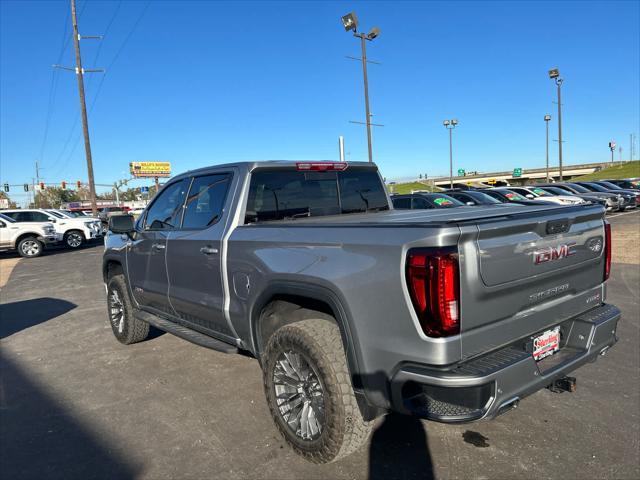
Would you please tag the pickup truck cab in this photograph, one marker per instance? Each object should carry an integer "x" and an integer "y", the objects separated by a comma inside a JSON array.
[
  {"x": 28, "y": 239},
  {"x": 73, "y": 232},
  {"x": 354, "y": 309}
]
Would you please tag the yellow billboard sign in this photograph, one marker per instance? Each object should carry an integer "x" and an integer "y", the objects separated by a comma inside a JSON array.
[{"x": 150, "y": 169}]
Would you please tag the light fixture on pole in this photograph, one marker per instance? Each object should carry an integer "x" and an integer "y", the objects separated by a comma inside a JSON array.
[
  {"x": 554, "y": 74},
  {"x": 450, "y": 125},
  {"x": 547, "y": 119},
  {"x": 612, "y": 147},
  {"x": 350, "y": 23}
]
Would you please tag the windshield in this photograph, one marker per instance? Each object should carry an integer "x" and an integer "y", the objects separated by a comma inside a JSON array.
[
  {"x": 580, "y": 188},
  {"x": 6, "y": 219},
  {"x": 513, "y": 196},
  {"x": 55, "y": 214},
  {"x": 540, "y": 192},
  {"x": 557, "y": 190},
  {"x": 444, "y": 201},
  {"x": 278, "y": 194},
  {"x": 596, "y": 187},
  {"x": 72, "y": 214},
  {"x": 610, "y": 186},
  {"x": 484, "y": 197}
]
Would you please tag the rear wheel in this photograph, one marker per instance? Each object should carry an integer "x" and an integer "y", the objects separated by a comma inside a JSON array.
[
  {"x": 30, "y": 247},
  {"x": 126, "y": 328},
  {"x": 74, "y": 238},
  {"x": 309, "y": 392}
]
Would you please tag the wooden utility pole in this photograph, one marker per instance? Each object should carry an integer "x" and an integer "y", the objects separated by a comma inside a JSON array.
[{"x": 83, "y": 110}]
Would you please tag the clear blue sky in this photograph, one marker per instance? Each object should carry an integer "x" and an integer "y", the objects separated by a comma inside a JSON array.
[{"x": 204, "y": 82}]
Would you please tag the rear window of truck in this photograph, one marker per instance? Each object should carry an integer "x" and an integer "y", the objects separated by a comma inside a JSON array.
[{"x": 282, "y": 195}]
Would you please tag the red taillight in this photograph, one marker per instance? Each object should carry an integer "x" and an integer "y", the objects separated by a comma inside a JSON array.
[
  {"x": 433, "y": 280},
  {"x": 321, "y": 166},
  {"x": 607, "y": 250}
]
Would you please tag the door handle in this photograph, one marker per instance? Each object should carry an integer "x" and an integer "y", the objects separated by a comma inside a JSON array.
[
  {"x": 208, "y": 250},
  {"x": 158, "y": 246}
]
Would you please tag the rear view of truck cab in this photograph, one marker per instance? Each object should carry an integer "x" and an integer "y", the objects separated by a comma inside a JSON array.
[{"x": 523, "y": 298}]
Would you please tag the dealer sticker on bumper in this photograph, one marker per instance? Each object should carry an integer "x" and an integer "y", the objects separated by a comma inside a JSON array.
[{"x": 546, "y": 344}]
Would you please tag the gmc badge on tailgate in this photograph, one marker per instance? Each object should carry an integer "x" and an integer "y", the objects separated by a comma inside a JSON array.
[{"x": 554, "y": 253}]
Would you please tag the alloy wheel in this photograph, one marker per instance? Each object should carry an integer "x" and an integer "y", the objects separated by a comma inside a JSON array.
[
  {"x": 299, "y": 395},
  {"x": 74, "y": 240},
  {"x": 116, "y": 311},
  {"x": 30, "y": 248}
]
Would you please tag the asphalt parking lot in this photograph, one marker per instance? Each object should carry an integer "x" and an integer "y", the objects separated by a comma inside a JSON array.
[{"x": 74, "y": 403}]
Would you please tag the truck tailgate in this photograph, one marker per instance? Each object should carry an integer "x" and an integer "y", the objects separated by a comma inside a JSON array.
[{"x": 522, "y": 274}]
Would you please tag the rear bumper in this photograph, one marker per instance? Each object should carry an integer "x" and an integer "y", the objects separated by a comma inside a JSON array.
[{"x": 490, "y": 385}]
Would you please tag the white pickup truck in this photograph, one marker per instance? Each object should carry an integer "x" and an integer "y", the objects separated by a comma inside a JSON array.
[
  {"x": 28, "y": 238},
  {"x": 72, "y": 231}
]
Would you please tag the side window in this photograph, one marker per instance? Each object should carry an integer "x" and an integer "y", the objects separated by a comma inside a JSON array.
[
  {"x": 420, "y": 203},
  {"x": 165, "y": 213},
  {"x": 39, "y": 217},
  {"x": 402, "y": 203},
  {"x": 13, "y": 215},
  {"x": 24, "y": 217},
  {"x": 206, "y": 200}
]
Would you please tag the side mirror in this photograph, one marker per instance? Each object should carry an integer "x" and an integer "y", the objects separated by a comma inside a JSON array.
[
  {"x": 471, "y": 204},
  {"x": 51, "y": 219},
  {"x": 121, "y": 224},
  {"x": 530, "y": 196}
]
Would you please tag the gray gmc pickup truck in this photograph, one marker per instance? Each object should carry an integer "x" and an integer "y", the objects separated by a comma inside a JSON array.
[{"x": 354, "y": 309}]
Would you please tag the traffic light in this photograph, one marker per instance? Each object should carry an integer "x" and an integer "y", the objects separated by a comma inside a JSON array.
[
  {"x": 63, "y": 185},
  {"x": 42, "y": 186},
  {"x": 79, "y": 184},
  {"x": 26, "y": 187},
  {"x": 6, "y": 187}
]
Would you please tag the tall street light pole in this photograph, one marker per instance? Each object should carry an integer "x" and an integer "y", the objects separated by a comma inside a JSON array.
[
  {"x": 554, "y": 74},
  {"x": 547, "y": 118},
  {"x": 350, "y": 23},
  {"x": 450, "y": 125}
]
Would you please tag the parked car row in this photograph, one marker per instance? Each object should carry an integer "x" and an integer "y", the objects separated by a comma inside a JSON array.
[
  {"x": 29, "y": 231},
  {"x": 613, "y": 195}
]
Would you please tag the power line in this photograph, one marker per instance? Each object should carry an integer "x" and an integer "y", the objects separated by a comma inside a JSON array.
[
  {"x": 104, "y": 36},
  {"x": 129, "y": 35},
  {"x": 99, "y": 89},
  {"x": 66, "y": 39},
  {"x": 53, "y": 88}
]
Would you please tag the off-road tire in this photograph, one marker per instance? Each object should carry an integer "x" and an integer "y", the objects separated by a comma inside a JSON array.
[
  {"x": 320, "y": 343},
  {"x": 76, "y": 235},
  {"x": 131, "y": 330},
  {"x": 38, "y": 247}
]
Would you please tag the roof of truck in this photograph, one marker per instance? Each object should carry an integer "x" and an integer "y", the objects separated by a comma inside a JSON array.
[{"x": 251, "y": 165}]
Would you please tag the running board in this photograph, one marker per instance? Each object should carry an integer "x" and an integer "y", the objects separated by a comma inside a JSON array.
[{"x": 185, "y": 333}]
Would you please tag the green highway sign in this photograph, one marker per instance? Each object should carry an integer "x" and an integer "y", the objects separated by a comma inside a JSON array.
[
  {"x": 461, "y": 172},
  {"x": 517, "y": 172}
]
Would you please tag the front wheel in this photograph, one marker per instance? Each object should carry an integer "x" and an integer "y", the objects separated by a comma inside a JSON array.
[
  {"x": 74, "y": 239},
  {"x": 126, "y": 328},
  {"x": 30, "y": 247},
  {"x": 309, "y": 392}
]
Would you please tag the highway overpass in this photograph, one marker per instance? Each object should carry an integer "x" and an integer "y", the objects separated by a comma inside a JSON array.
[{"x": 527, "y": 176}]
